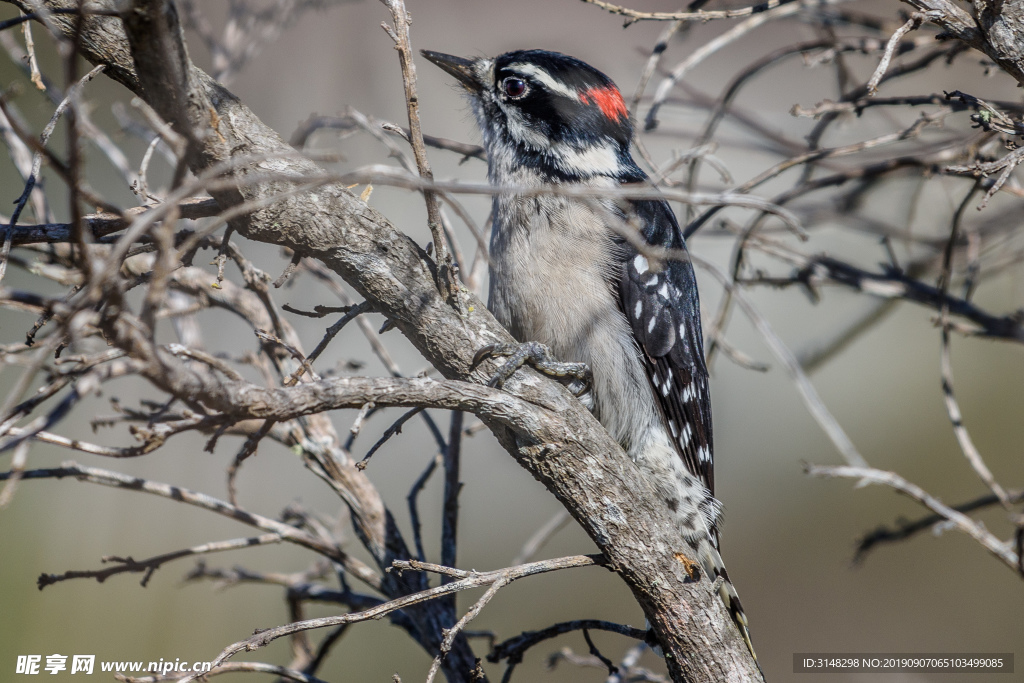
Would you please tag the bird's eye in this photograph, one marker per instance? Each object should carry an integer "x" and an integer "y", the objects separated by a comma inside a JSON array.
[{"x": 514, "y": 87}]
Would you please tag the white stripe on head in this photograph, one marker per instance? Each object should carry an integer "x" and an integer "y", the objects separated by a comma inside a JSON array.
[{"x": 544, "y": 78}]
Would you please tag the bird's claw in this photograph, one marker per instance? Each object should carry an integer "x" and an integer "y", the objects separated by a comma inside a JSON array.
[{"x": 539, "y": 357}]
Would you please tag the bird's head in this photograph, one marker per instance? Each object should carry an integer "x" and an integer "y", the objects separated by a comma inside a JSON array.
[{"x": 548, "y": 112}]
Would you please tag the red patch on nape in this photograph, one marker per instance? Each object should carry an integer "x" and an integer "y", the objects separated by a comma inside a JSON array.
[{"x": 608, "y": 100}]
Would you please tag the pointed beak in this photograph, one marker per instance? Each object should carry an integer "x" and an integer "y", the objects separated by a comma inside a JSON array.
[{"x": 461, "y": 68}]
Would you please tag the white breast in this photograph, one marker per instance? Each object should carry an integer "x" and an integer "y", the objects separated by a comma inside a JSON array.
[{"x": 551, "y": 281}]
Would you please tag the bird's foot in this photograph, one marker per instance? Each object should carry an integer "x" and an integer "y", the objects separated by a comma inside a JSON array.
[{"x": 539, "y": 357}]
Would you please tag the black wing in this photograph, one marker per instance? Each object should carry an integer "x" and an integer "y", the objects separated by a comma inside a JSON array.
[{"x": 664, "y": 311}]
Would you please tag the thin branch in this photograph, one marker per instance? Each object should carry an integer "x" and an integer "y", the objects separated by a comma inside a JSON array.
[
  {"x": 652, "y": 64},
  {"x": 452, "y": 487},
  {"x": 295, "y": 353},
  {"x": 351, "y": 314},
  {"x": 247, "y": 450},
  {"x": 912, "y": 24},
  {"x": 413, "y": 501},
  {"x": 869, "y": 475},
  {"x": 37, "y": 161},
  {"x": 148, "y": 566},
  {"x": 318, "y": 311},
  {"x": 288, "y": 533},
  {"x": 769, "y": 11},
  {"x": 904, "y": 529},
  {"x": 963, "y": 437},
  {"x": 203, "y": 357},
  {"x": 395, "y": 428},
  {"x": 454, "y": 631},
  {"x": 360, "y": 420},
  {"x": 446, "y": 278},
  {"x": 473, "y": 580},
  {"x": 346, "y": 123},
  {"x": 18, "y": 461},
  {"x": 633, "y": 15},
  {"x": 515, "y": 648},
  {"x": 102, "y": 225},
  {"x": 812, "y": 400},
  {"x": 898, "y": 286},
  {"x": 612, "y": 669}
]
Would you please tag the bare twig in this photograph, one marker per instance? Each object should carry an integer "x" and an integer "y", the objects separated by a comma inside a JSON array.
[
  {"x": 351, "y": 314},
  {"x": 912, "y": 24},
  {"x": 770, "y": 11},
  {"x": 288, "y": 533},
  {"x": 452, "y": 487},
  {"x": 346, "y": 123},
  {"x": 447, "y": 279},
  {"x": 513, "y": 649},
  {"x": 700, "y": 15},
  {"x": 807, "y": 391},
  {"x": 904, "y": 529},
  {"x": 412, "y": 499},
  {"x": 395, "y": 428},
  {"x": 453, "y": 632},
  {"x": 37, "y": 161},
  {"x": 148, "y": 566},
  {"x": 963, "y": 437},
  {"x": 868, "y": 475},
  {"x": 470, "y": 580}
]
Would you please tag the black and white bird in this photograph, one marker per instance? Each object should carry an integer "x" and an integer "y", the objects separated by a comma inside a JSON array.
[{"x": 563, "y": 274}]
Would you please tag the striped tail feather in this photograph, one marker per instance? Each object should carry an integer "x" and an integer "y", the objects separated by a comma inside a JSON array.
[{"x": 711, "y": 562}]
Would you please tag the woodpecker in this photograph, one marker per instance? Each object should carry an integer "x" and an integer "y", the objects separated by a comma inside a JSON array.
[{"x": 564, "y": 277}]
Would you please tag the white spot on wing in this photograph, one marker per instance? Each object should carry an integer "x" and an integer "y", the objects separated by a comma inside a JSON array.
[
  {"x": 641, "y": 264},
  {"x": 684, "y": 438},
  {"x": 664, "y": 291},
  {"x": 638, "y": 310},
  {"x": 673, "y": 428},
  {"x": 650, "y": 325},
  {"x": 682, "y": 330}
]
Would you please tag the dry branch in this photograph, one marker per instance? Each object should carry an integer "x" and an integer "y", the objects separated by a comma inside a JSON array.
[
  {"x": 469, "y": 580},
  {"x": 869, "y": 475}
]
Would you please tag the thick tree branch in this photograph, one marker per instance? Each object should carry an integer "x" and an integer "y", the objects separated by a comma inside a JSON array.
[{"x": 996, "y": 29}]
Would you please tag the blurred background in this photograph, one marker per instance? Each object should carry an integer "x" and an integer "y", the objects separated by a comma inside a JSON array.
[{"x": 788, "y": 539}]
